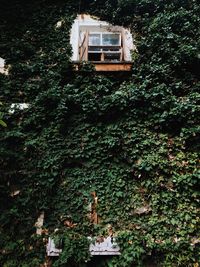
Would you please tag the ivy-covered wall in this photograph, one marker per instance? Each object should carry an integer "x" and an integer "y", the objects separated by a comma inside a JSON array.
[{"x": 133, "y": 139}]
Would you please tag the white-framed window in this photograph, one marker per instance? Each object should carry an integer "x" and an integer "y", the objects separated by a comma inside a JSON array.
[
  {"x": 104, "y": 39},
  {"x": 91, "y": 34},
  {"x": 104, "y": 46}
]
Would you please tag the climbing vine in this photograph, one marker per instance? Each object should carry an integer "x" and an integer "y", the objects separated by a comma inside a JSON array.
[{"x": 133, "y": 140}]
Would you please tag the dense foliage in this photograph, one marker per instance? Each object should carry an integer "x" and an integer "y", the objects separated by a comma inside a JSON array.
[{"x": 132, "y": 139}]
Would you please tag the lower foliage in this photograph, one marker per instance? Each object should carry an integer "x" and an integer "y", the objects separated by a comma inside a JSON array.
[{"x": 133, "y": 140}]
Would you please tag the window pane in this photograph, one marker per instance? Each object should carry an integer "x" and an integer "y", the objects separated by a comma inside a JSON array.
[
  {"x": 110, "y": 39},
  {"x": 94, "y": 56},
  {"x": 94, "y": 39},
  {"x": 95, "y": 49},
  {"x": 112, "y": 57}
]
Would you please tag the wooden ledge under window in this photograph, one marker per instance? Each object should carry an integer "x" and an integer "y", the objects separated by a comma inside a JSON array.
[{"x": 108, "y": 66}]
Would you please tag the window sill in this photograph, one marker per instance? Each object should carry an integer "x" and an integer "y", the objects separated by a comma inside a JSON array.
[{"x": 108, "y": 65}]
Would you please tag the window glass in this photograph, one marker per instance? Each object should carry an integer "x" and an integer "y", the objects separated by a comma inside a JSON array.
[
  {"x": 95, "y": 39},
  {"x": 110, "y": 39},
  {"x": 94, "y": 49}
]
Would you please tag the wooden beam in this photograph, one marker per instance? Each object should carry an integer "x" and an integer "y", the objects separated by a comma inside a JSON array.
[
  {"x": 123, "y": 44},
  {"x": 108, "y": 66},
  {"x": 113, "y": 67}
]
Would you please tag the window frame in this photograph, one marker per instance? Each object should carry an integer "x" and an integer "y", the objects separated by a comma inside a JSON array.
[{"x": 101, "y": 39}]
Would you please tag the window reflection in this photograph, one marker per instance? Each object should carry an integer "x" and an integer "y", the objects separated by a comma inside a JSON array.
[
  {"x": 110, "y": 39},
  {"x": 95, "y": 39},
  {"x": 105, "y": 39}
]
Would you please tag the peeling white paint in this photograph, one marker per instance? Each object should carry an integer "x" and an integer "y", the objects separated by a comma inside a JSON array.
[
  {"x": 101, "y": 246},
  {"x": 39, "y": 224},
  {"x": 105, "y": 246},
  {"x": 58, "y": 24},
  {"x": 51, "y": 249},
  {"x": 18, "y": 106},
  {"x": 2, "y": 62},
  {"x": 143, "y": 210},
  {"x": 15, "y": 193},
  {"x": 3, "y": 69}
]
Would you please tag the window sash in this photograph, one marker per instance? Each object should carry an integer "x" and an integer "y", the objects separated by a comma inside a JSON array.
[{"x": 104, "y": 39}]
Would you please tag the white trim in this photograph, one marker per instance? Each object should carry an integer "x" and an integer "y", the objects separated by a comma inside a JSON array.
[
  {"x": 106, "y": 246},
  {"x": 18, "y": 106},
  {"x": 51, "y": 249}
]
